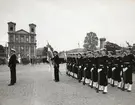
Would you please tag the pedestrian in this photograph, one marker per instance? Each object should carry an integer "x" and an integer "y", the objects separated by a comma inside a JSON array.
[
  {"x": 56, "y": 62},
  {"x": 12, "y": 66}
]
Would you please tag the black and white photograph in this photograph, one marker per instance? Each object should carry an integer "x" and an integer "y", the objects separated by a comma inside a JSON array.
[{"x": 67, "y": 52}]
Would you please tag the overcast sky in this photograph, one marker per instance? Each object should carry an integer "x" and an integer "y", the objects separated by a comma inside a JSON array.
[{"x": 64, "y": 23}]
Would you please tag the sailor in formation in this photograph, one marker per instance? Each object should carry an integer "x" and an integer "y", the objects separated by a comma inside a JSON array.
[{"x": 100, "y": 68}]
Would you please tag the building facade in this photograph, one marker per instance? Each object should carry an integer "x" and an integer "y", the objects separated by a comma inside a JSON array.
[{"x": 22, "y": 41}]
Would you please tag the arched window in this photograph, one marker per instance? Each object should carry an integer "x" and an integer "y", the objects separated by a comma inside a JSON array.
[
  {"x": 11, "y": 28},
  {"x": 22, "y": 39},
  {"x": 32, "y": 29}
]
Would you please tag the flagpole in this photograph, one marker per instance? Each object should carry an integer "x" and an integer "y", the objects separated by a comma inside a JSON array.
[
  {"x": 49, "y": 52},
  {"x": 78, "y": 45}
]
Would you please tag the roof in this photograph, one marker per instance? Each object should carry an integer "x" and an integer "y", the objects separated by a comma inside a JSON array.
[
  {"x": 11, "y": 23},
  {"x": 77, "y": 50},
  {"x": 39, "y": 51},
  {"x": 21, "y": 31},
  {"x": 32, "y": 24}
]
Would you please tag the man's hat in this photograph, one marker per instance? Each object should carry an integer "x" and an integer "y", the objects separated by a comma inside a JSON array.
[
  {"x": 110, "y": 52},
  {"x": 129, "y": 48},
  {"x": 103, "y": 49},
  {"x": 13, "y": 50},
  {"x": 55, "y": 52},
  {"x": 89, "y": 52},
  {"x": 79, "y": 54},
  {"x": 118, "y": 51}
]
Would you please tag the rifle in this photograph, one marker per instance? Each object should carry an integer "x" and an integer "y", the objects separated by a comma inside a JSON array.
[
  {"x": 92, "y": 77},
  {"x": 79, "y": 73},
  {"x": 84, "y": 75},
  {"x": 124, "y": 79},
  {"x": 113, "y": 77},
  {"x": 98, "y": 82},
  {"x": 128, "y": 44}
]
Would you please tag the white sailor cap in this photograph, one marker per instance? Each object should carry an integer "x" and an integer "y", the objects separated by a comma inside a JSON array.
[
  {"x": 13, "y": 50},
  {"x": 118, "y": 51}
]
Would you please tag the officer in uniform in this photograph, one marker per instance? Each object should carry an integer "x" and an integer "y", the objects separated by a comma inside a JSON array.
[
  {"x": 116, "y": 69},
  {"x": 89, "y": 66},
  {"x": 110, "y": 64},
  {"x": 94, "y": 69},
  {"x": 75, "y": 66},
  {"x": 128, "y": 61},
  {"x": 72, "y": 63},
  {"x": 12, "y": 66},
  {"x": 85, "y": 68},
  {"x": 56, "y": 62},
  {"x": 69, "y": 64},
  {"x": 102, "y": 71},
  {"x": 80, "y": 67}
]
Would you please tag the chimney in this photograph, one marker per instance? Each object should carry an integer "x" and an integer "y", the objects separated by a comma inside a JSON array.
[{"x": 102, "y": 42}]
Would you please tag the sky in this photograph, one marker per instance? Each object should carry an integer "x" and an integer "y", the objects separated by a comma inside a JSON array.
[{"x": 65, "y": 23}]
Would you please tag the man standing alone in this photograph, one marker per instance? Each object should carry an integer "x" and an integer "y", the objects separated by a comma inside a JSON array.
[
  {"x": 12, "y": 66},
  {"x": 56, "y": 62}
]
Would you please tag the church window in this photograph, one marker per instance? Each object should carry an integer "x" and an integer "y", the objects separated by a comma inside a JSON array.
[
  {"x": 32, "y": 29},
  {"x": 27, "y": 39},
  {"x": 11, "y": 28},
  {"x": 11, "y": 38},
  {"x": 32, "y": 39},
  {"x": 16, "y": 38},
  {"x": 22, "y": 39}
]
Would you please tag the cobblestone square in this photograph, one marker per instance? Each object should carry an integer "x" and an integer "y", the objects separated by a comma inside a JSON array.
[{"x": 35, "y": 87}]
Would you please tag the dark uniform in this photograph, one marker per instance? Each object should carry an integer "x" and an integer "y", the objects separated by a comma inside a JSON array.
[
  {"x": 80, "y": 67},
  {"x": 12, "y": 66},
  {"x": 96, "y": 69},
  {"x": 128, "y": 61},
  {"x": 110, "y": 65},
  {"x": 56, "y": 62},
  {"x": 102, "y": 64}
]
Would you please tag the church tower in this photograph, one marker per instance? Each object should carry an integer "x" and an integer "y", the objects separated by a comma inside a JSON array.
[
  {"x": 11, "y": 35},
  {"x": 11, "y": 27},
  {"x": 32, "y": 31},
  {"x": 32, "y": 28}
]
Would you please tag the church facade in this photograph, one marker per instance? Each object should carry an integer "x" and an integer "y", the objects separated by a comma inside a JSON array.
[{"x": 22, "y": 41}]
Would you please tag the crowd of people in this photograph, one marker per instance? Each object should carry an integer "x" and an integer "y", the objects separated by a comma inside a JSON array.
[{"x": 97, "y": 69}]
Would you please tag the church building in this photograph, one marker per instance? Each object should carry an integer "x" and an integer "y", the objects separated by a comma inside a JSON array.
[{"x": 22, "y": 41}]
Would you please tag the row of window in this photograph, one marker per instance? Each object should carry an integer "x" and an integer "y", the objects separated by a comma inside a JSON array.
[
  {"x": 22, "y": 48},
  {"x": 22, "y": 39}
]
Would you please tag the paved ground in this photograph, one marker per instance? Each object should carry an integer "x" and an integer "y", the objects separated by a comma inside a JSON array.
[{"x": 35, "y": 87}]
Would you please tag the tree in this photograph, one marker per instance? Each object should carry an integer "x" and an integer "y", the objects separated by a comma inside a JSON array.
[
  {"x": 133, "y": 49},
  {"x": 2, "y": 51},
  {"x": 44, "y": 53},
  {"x": 112, "y": 46},
  {"x": 90, "y": 41}
]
